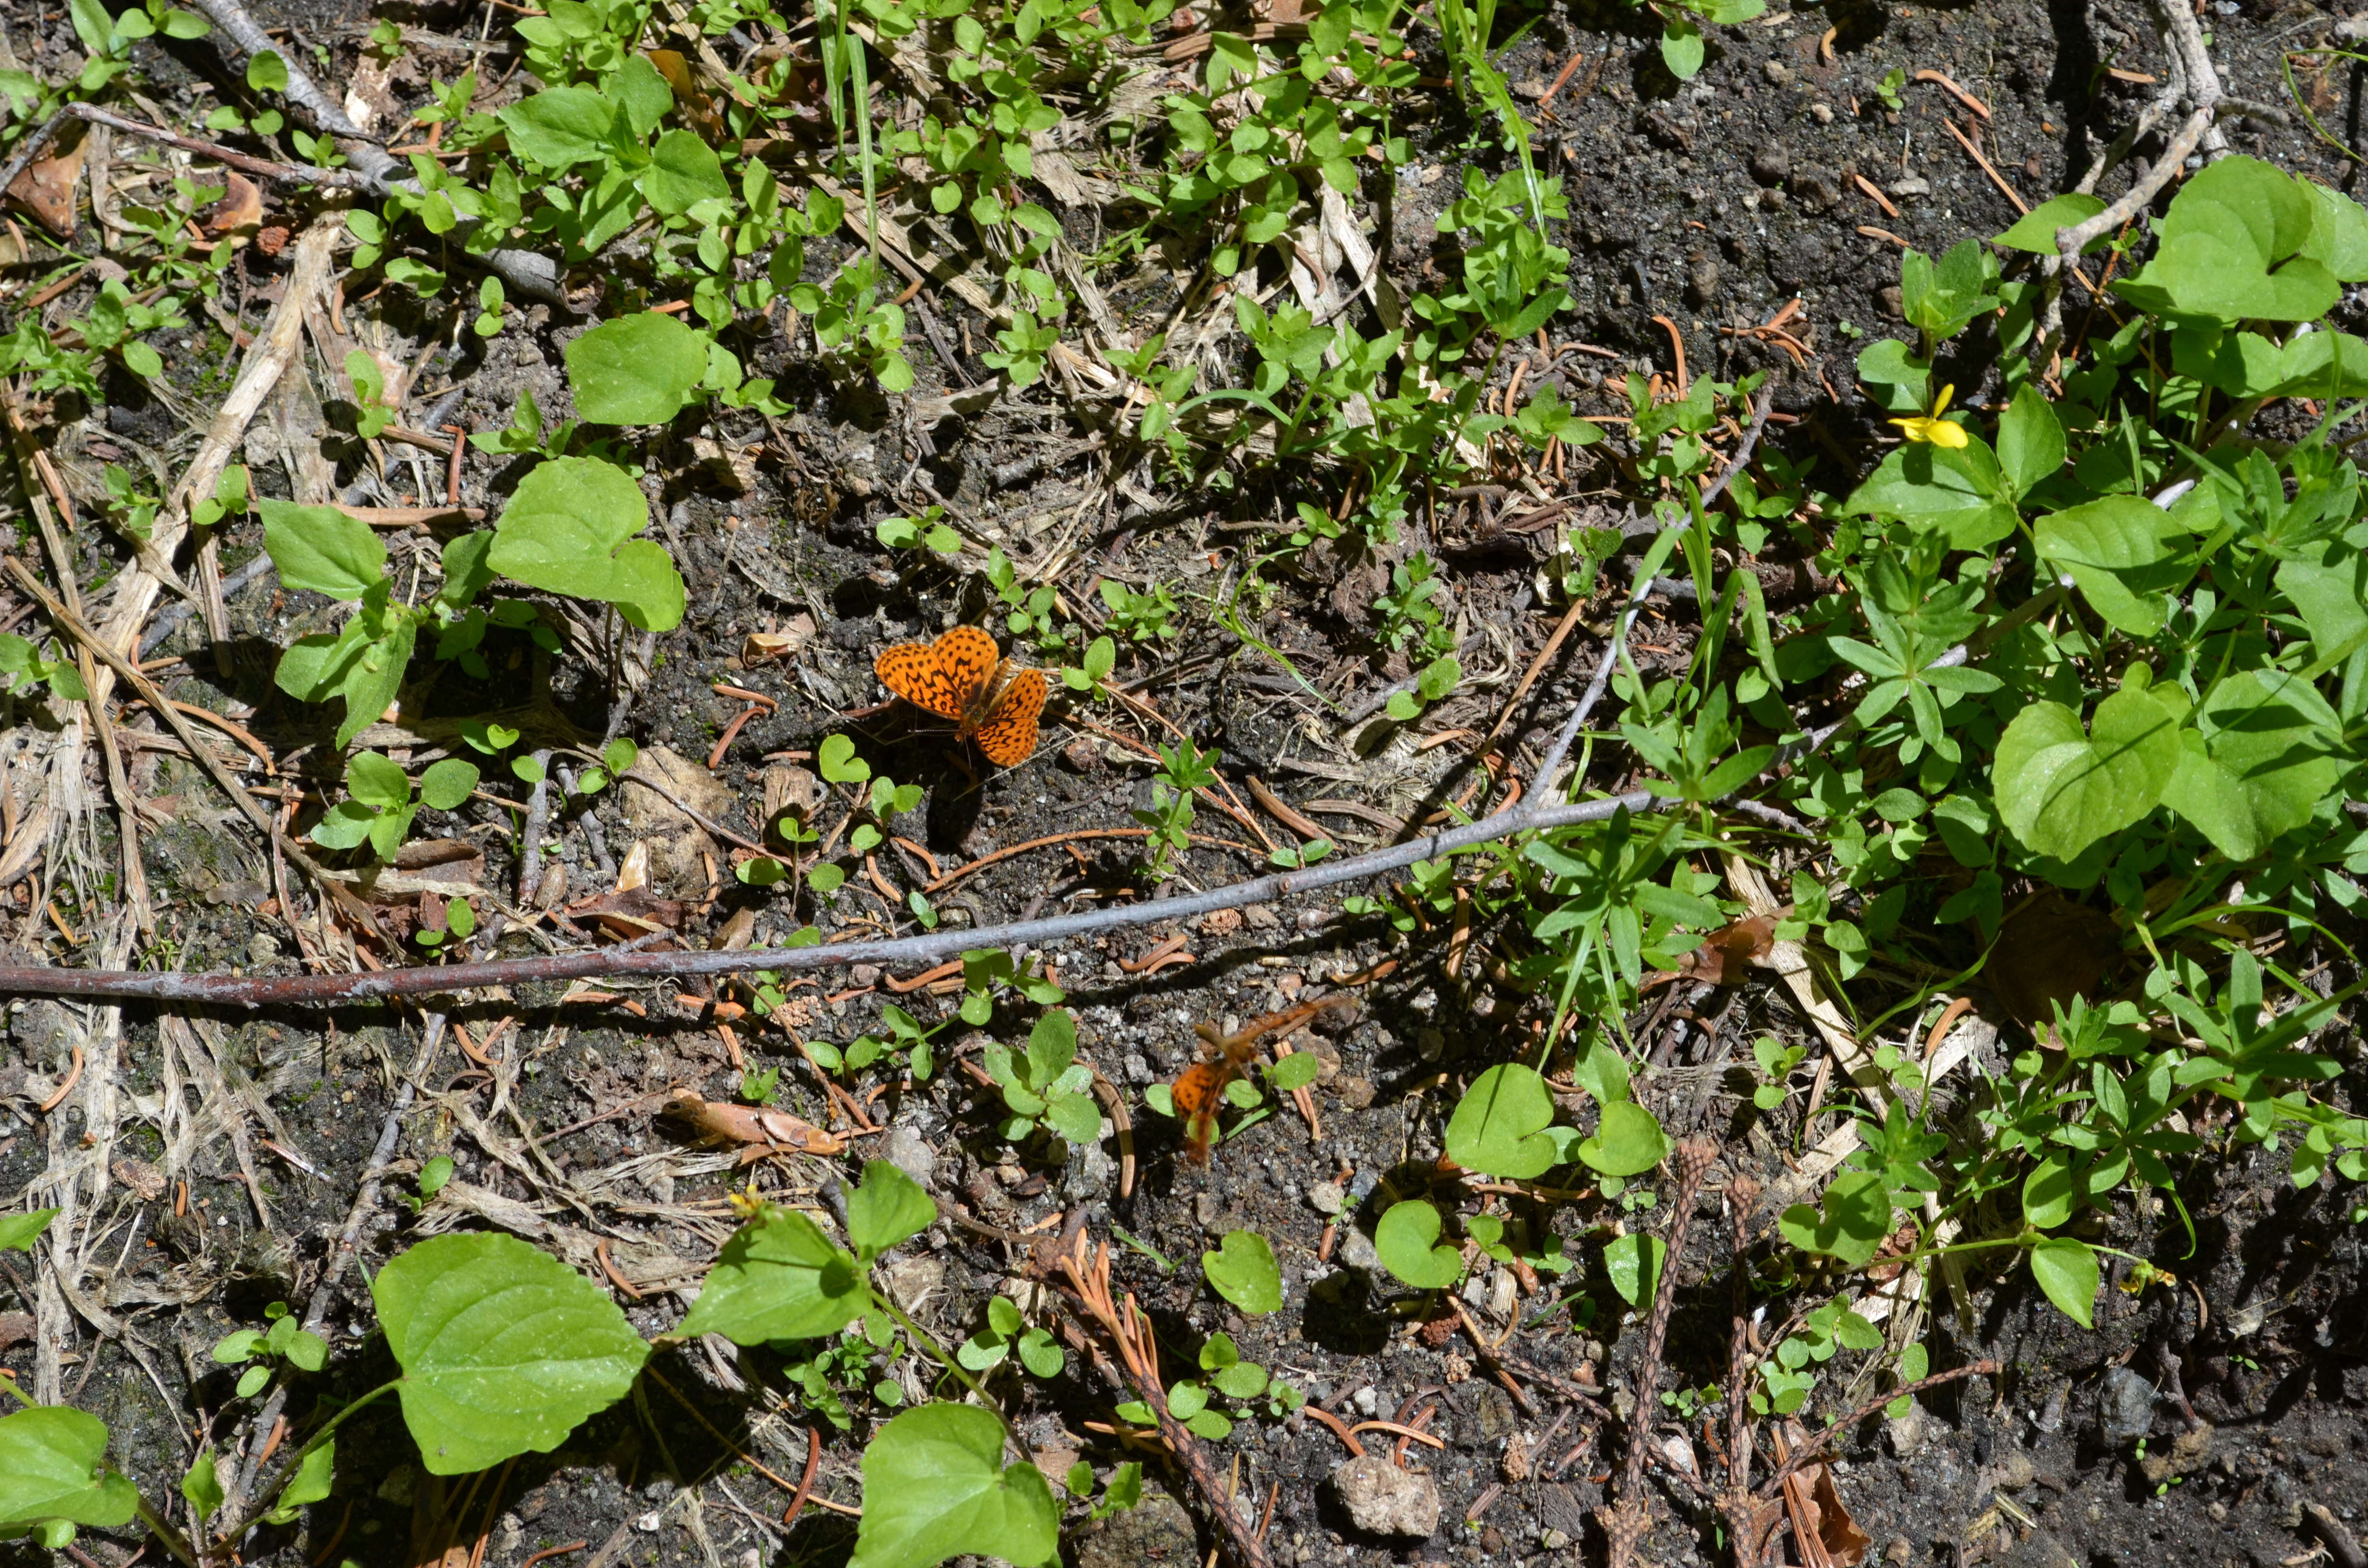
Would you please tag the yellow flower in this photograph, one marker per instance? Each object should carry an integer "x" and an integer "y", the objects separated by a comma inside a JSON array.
[{"x": 1933, "y": 427}]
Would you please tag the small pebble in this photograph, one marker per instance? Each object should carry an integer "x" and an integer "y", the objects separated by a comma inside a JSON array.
[
  {"x": 1778, "y": 73},
  {"x": 1822, "y": 113},
  {"x": 1327, "y": 1197},
  {"x": 1367, "y": 1399}
]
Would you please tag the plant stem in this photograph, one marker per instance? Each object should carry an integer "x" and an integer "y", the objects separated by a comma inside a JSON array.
[
  {"x": 175, "y": 1542},
  {"x": 927, "y": 1341}
]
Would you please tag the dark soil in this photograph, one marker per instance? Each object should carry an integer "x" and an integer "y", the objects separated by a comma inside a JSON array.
[{"x": 1710, "y": 203}]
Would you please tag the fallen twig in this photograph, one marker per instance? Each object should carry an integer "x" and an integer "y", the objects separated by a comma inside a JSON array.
[{"x": 1625, "y": 1518}]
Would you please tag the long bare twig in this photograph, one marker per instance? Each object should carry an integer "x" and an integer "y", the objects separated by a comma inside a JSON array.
[{"x": 1625, "y": 1518}]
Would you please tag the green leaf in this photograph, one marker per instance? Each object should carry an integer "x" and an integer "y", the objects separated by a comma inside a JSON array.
[
  {"x": 1497, "y": 1125},
  {"x": 683, "y": 172},
  {"x": 1076, "y": 1118},
  {"x": 2231, "y": 247},
  {"x": 1633, "y": 1262},
  {"x": 889, "y": 1207},
  {"x": 321, "y": 549},
  {"x": 1243, "y": 1271},
  {"x": 376, "y": 779},
  {"x": 1681, "y": 49},
  {"x": 2047, "y": 1193},
  {"x": 311, "y": 1483},
  {"x": 569, "y": 529},
  {"x": 2035, "y": 231},
  {"x": 202, "y": 1483},
  {"x": 1296, "y": 1071},
  {"x": 636, "y": 370},
  {"x": 2031, "y": 438},
  {"x": 561, "y": 128},
  {"x": 2119, "y": 551},
  {"x": 644, "y": 93},
  {"x": 504, "y": 1349},
  {"x": 1956, "y": 491},
  {"x": 1629, "y": 1140},
  {"x": 19, "y": 1232},
  {"x": 2258, "y": 764},
  {"x": 1403, "y": 1240},
  {"x": 935, "y": 1487},
  {"x": 50, "y": 1468},
  {"x": 1854, "y": 1220},
  {"x": 2067, "y": 1269},
  {"x": 2061, "y": 788},
  {"x": 837, "y": 762},
  {"x": 267, "y": 72},
  {"x": 779, "y": 1278},
  {"x": 444, "y": 785}
]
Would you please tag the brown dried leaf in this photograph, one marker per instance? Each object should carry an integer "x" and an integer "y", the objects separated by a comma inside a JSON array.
[
  {"x": 46, "y": 189},
  {"x": 1845, "y": 1544},
  {"x": 239, "y": 211},
  {"x": 762, "y": 647},
  {"x": 723, "y": 1123}
]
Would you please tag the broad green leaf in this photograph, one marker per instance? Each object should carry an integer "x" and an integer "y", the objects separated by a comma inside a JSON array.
[
  {"x": 376, "y": 779},
  {"x": 2258, "y": 762},
  {"x": 19, "y": 1232},
  {"x": 2067, "y": 1269},
  {"x": 2338, "y": 233},
  {"x": 935, "y": 1487},
  {"x": 636, "y": 370},
  {"x": 2035, "y": 231},
  {"x": 444, "y": 785},
  {"x": 1496, "y": 1126},
  {"x": 561, "y": 127},
  {"x": 1076, "y": 1118},
  {"x": 321, "y": 549},
  {"x": 1243, "y": 1271},
  {"x": 374, "y": 677},
  {"x": 644, "y": 93},
  {"x": 2060, "y": 789},
  {"x": 1628, "y": 1141},
  {"x": 2330, "y": 594},
  {"x": 887, "y": 1207},
  {"x": 1404, "y": 1238},
  {"x": 1634, "y": 1262},
  {"x": 2119, "y": 551},
  {"x": 779, "y": 1278},
  {"x": 1852, "y": 1221},
  {"x": 202, "y": 1483},
  {"x": 2030, "y": 439},
  {"x": 504, "y": 1349},
  {"x": 311, "y": 1483},
  {"x": 2230, "y": 249},
  {"x": 2047, "y": 1193},
  {"x": 1957, "y": 492},
  {"x": 52, "y": 1467},
  {"x": 1902, "y": 384},
  {"x": 683, "y": 172},
  {"x": 569, "y": 529}
]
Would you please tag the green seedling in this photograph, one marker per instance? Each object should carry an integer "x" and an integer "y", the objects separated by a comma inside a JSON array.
[{"x": 1045, "y": 1084}]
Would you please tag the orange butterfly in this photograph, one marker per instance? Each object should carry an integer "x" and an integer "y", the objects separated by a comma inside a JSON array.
[
  {"x": 963, "y": 677},
  {"x": 1197, "y": 1094}
]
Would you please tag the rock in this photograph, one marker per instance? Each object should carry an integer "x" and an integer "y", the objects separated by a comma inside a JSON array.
[
  {"x": 2124, "y": 1406},
  {"x": 1382, "y": 1499},
  {"x": 1771, "y": 165},
  {"x": 1368, "y": 1400},
  {"x": 1822, "y": 113},
  {"x": 1817, "y": 188},
  {"x": 909, "y": 1152},
  {"x": 1701, "y": 282},
  {"x": 1911, "y": 185},
  {"x": 1156, "y": 1530},
  {"x": 679, "y": 848},
  {"x": 1906, "y": 1434},
  {"x": 2016, "y": 1472},
  {"x": 1356, "y": 1093},
  {"x": 1779, "y": 73},
  {"x": 2189, "y": 1450},
  {"x": 1327, "y": 1197},
  {"x": 2039, "y": 1550},
  {"x": 1893, "y": 302},
  {"x": 1497, "y": 1414}
]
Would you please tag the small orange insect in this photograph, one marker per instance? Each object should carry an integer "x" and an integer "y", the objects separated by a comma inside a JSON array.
[
  {"x": 1199, "y": 1091},
  {"x": 963, "y": 677}
]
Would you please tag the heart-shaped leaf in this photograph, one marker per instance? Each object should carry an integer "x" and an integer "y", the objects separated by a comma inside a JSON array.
[
  {"x": 51, "y": 1468},
  {"x": 935, "y": 1487},
  {"x": 889, "y": 1207},
  {"x": 1635, "y": 1264},
  {"x": 2067, "y": 1269},
  {"x": 1496, "y": 1126},
  {"x": 779, "y": 1278},
  {"x": 2258, "y": 763},
  {"x": 2061, "y": 788},
  {"x": 570, "y": 528},
  {"x": 1403, "y": 1240},
  {"x": 504, "y": 1349},
  {"x": 1243, "y": 1271},
  {"x": 636, "y": 370},
  {"x": 1853, "y": 1222},
  {"x": 1627, "y": 1143}
]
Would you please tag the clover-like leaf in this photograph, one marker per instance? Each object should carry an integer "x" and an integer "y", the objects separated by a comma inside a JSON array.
[
  {"x": 1852, "y": 1221},
  {"x": 935, "y": 1487},
  {"x": 1403, "y": 1240},
  {"x": 779, "y": 1278},
  {"x": 1497, "y": 1126},
  {"x": 2061, "y": 788},
  {"x": 504, "y": 1349},
  {"x": 1243, "y": 1271},
  {"x": 1634, "y": 1261}
]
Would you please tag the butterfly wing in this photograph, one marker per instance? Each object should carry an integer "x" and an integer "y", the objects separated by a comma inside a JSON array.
[
  {"x": 1194, "y": 1095},
  {"x": 912, "y": 670},
  {"x": 968, "y": 658},
  {"x": 1009, "y": 735}
]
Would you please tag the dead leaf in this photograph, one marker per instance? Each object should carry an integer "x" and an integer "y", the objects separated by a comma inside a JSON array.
[
  {"x": 146, "y": 1182},
  {"x": 1823, "y": 1531},
  {"x": 46, "y": 189},
  {"x": 793, "y": 792},
  {"x": 240, "y": 211},
  {"x": 763, "y": 647},
  {"x": 723, "y": 1123},
  {"x": 631, "y": 911},
  {"x": 696, "y": 107},
  {"x": 15, "y": 1328},
  {"x": 679, "y": 848},
  {"x": 1725, "y": 956},
  {"x": 2051, "y": 950}
]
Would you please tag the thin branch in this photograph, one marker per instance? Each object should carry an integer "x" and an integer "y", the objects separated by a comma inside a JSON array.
[
  {"x": 262, "y": 168},
  {"x": 1816, "y": 1445},
  {"x": 254, "y": 991}
]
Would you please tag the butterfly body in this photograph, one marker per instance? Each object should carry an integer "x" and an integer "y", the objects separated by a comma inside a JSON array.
[{"x": 964, "y": 677}]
